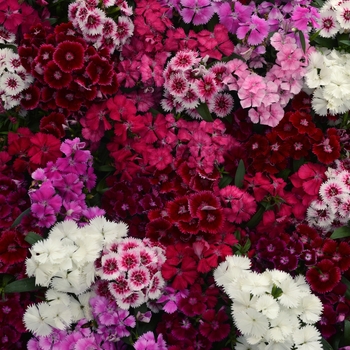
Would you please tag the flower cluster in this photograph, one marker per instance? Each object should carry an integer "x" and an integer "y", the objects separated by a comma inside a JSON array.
[
  {"x": 99, "y": 29},
  {"x": 132, "y": 267},
  {"x": 332, "y": 208},
  {"x": 271, "y": 309},
  {"x": 13, "y": 79},
  {"x": 327, "y": 75},
  {"x": 188, "y": 83},
  {"x": 65, "y": 261},
  {"x": 58, "y": 189}
]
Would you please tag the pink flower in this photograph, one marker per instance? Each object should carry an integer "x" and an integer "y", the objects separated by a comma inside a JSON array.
[
  {"x": 252, "y": 91},
  {"x": 258, "y": 30},
  {"x": 197, "y": 11},
  {"x": 221, "y": 104},
  {"x": 147, "y": 342}
]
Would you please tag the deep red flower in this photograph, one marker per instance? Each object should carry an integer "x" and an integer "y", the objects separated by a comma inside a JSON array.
[
  {"x": 68, "y": 99},
  {"x": 55, "y": 77},
  {"x": 45, "y": 54},
  {"x": 257, "y": 145},
  {"x": 178, "y": 209},
  {"x": 303, "y": 122},
  {"x": 44, "y": 148},
  {"x": 13, "y": 247},
  {"x": 338, "y": 253},
  {"x": 285, "y": 128},
  {"x": 99, "y": 70},
  {"x": 213, "y": 325},
  {"x": 31, "y": 97},
  {"x": 329, "y": 149},
  {"x": 194, "y": 303},
  {"x": 324, "y": 276},
  {"x": 69, "y": 56},
  {"x": 53, "y": 124}
]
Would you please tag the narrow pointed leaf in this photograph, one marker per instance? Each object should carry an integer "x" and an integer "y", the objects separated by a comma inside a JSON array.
[
  {"x": 341, "y": 232},
  {"x": 23, "y": 285},
  {"x": 225, "y": 181},
  {"x": 32, "y": 238},
  {"x": 20, "y": 217},
  {"x": 302, "y": 40},
  {"x": 203, "y": 111},
  {"x": 240, "y": 174}
]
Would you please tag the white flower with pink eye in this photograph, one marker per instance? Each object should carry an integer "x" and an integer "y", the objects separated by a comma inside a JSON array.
[
  {"x": 139, "y": 278},
  {"x": 156, "y": 286},
  {"x": 125, "y": 29},
  {"x": 11, "y": 83},
  {"x": 221, "y": 104},
  {"x": 135, "y": 299},
  {"x": 332, "y": 189},
  {"x": 328, "y": 24},
  {"x": 128, "y": 259},
  {"x": 93, "y": 23},
  {"x": 184, "y": 60},
  {"x": 109, "y": 263},
  {"x": 120, "y": 287},
  {"x": 343, "y": 15}
]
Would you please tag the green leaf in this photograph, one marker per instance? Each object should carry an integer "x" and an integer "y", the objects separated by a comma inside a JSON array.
[
  {"x": 225, "y": 181},
  {"x": 32, "y": 238},
  {"x": 106, "y": 168},
  {"x": 326, "y": 345},
  {"x": 256, "y": 218},
  {"x": 24, "y": 285},
  {"x": 347, "y": 283},
  {"x": 344, "y": 42},
  {"x": 314, "y": 35},
  {"x": 20, "y": 217},
  {"x": 341, "y": 232},
  {"x": 326, "y": 42},
  {"x": 345, "y": 339},
  {"x": 283, "y": 174},
  {"x": 302, "y": 40},
  {"x": 240, "y": 172},
  {"x": 297, "y": 163},
  {"x": 203, "y": 111}
]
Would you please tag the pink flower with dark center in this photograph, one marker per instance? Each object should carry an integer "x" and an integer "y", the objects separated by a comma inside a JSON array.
[
  {"x": 69, "y": 56},
  {"x": 221, "y": 104},
  {"x": 125, "y": 29},
  {"x": 92, "y": 23},
  {"x": 184, "y": 60},
  {"x": 119, "y": 288},
  {"x": 332, "y": 189},
  {"x": 128, "y": 259},
  {"x": 139, "y": 278},
  {"x": 110, "y": 266},
  {"x": 178, "y": 85},
  {"x": 206, "y": 87}
]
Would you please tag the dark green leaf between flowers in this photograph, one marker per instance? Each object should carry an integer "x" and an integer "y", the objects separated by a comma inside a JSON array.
[
  {"x": 203, "y": 111},
  {"x": 23, "y": 285},
  {"x": 256, "y": 218},
  {"x": 344, "y": 42},
  {"x": 326, "y": 345},
  {"x": 225, "y": 181},
  {"x": 240, "y": 172},
  {"x": 347, "y": 283},
  {"x": 345, "y": 339},
  {"x": 302, "y": 40},
  {"x": 106, "y": 168},
  {"x": 32, "y": 238},
  {"x": 341, "y": 232},
  {"x": 20, "y": 217}
]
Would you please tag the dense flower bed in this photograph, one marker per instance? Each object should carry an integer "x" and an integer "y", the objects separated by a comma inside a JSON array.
[{"x": 175, "y": 174}]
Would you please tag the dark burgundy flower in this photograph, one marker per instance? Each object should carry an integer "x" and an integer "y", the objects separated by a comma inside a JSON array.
[
  {"x": 303, "y": 122},
  {"x": 329, "y": 149},
  {"x": 68, "y": 99},
  {"x": 178, "y": 209},
  {"x": 99, "y": 70},
  {"x": 13, "y": 247},
  {"x": 30, "y": 99},
  {"x": 53, "y": 124},
  {"x": 213, "y": 325},
  {"x": 45, "y": 54},
  {"x": 55, "y": 77},
  {"x": 69, "y": 56},
  {"x": 324, "y": 276},
  {"x": 194, "y": 303}
]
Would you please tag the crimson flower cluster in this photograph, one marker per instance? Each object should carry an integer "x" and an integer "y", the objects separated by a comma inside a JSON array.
[{"x": 69, "y": 73}]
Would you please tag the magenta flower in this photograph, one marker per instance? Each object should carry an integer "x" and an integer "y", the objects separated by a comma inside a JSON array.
[
  {"x": 148, "y": 342},
  {"x": 258, "y": 30},
  {"x": 197, "y": 11}
]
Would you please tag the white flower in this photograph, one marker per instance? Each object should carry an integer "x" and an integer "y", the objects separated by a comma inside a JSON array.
[
  {"x": 319, "y": 103},
  {"x": 11, "y": 83},
  {"x": 107, "y": 231},
  {"x": 57, "y": 316},
  {"x": 65, "y": 230},
  {"x": 54, "y": 297},
  {"x": 342, "y": 14},
  {"x": 282, "y": 327},
  {"x": 318, "y": 74},
  {"x": 242, "y": 344},
  {"x": 231, "y": 269},
  {"x": 307, "y": 338},
  {"x": 311, "y": 309},
  {"x": 255, "y": 283},
  {"x": 81, "y": 308},
  {"x": 329, "y": 24},
  {"x": 251, "y": 322},
  {"x": 291, "y": 295},
  {"x": 35, "y": 322},
  {"x": 42, "y": 272},
  {"x": 48, "y": 251},
  {"x": 268, "y": 306}
]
